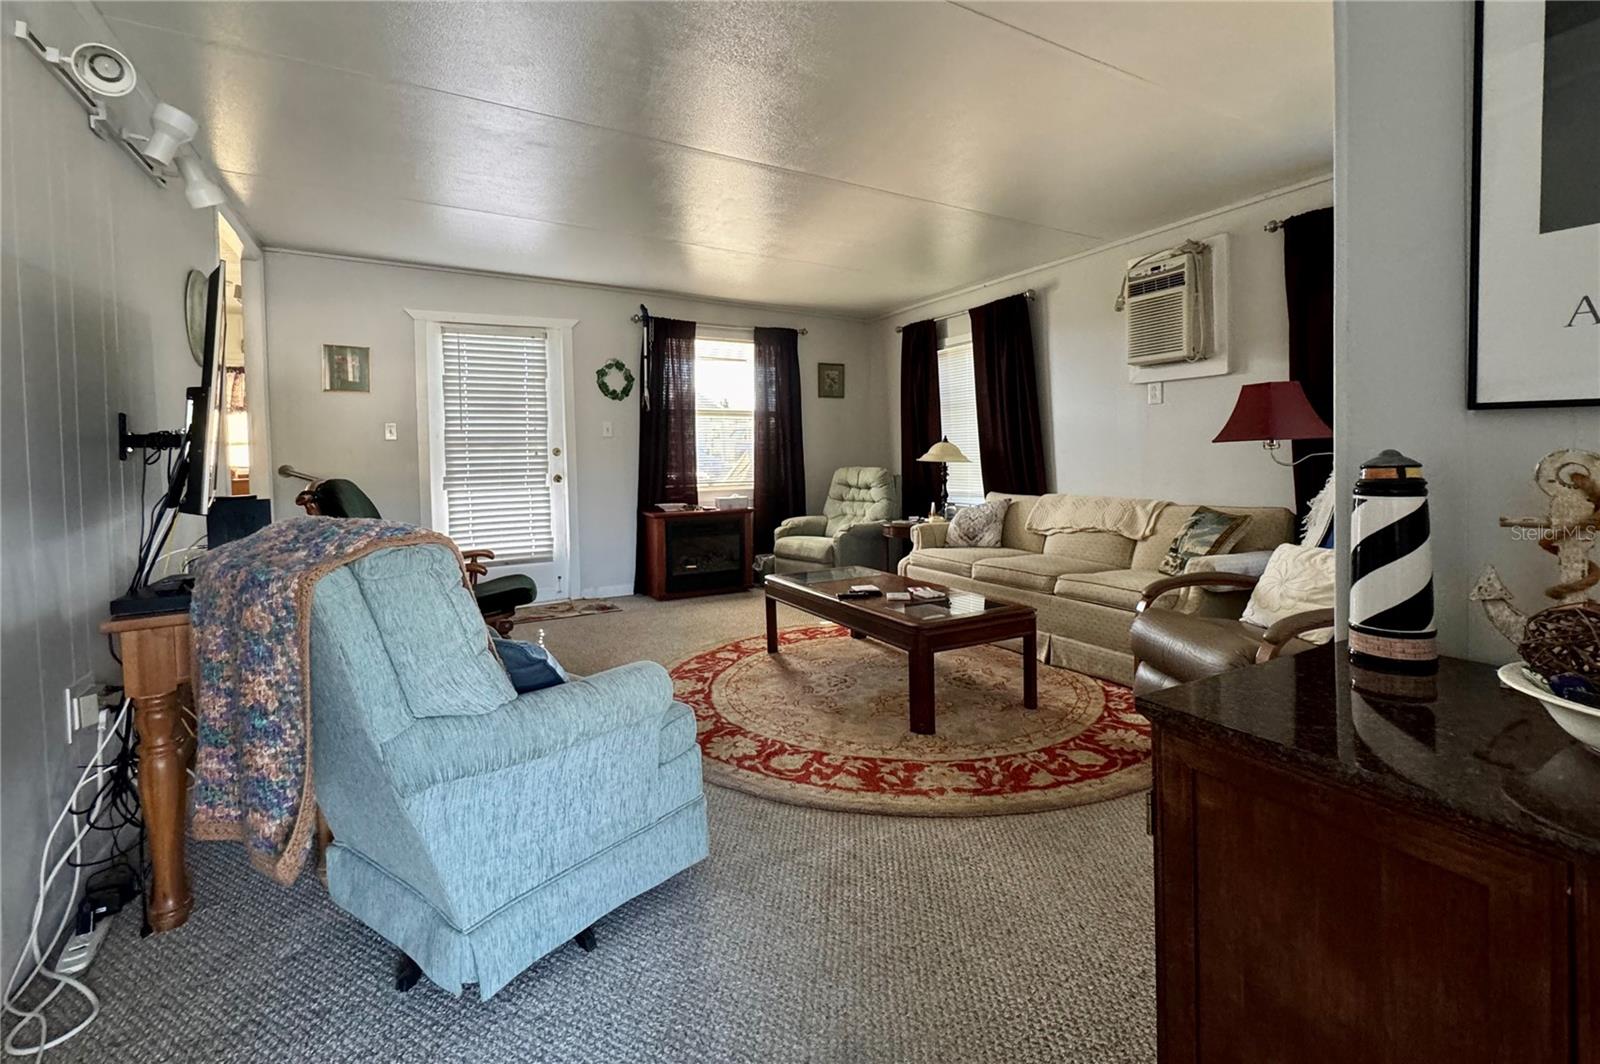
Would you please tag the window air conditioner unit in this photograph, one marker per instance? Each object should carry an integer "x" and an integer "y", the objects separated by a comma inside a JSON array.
[{"x": 1168, "y": 308}]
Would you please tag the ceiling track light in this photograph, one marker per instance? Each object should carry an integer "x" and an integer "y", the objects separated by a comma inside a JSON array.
[{"x": 93, "y": 70}]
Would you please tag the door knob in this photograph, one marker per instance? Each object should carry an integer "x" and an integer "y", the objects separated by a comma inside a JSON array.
[{"x": 556, "y": 478}]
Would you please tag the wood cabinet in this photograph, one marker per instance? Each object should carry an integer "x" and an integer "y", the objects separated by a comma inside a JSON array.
[{"x": 1316, "y": 903}]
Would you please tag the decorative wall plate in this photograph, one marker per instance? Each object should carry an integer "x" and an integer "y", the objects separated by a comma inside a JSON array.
[{"x": 194, "y": 313}]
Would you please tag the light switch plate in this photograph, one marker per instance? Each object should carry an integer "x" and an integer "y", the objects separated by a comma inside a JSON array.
[
  {"x": 1153, "y": 393},
  {"x": 391, "y": 430}
]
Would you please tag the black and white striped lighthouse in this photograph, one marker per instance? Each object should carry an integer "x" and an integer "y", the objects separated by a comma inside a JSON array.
[{"x": 1391, "y": 568}]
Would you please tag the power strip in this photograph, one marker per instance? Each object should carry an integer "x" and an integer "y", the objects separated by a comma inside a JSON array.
[{"x": 79, "y": 952}]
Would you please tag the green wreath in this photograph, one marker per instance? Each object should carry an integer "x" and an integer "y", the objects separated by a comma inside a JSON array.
[{"x": 602, "y": 380}]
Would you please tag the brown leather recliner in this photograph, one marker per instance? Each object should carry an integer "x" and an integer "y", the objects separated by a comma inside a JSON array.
[{"x": 1171, "y": 647}]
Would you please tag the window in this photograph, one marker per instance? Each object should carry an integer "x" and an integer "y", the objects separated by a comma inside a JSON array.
[
  {"x": 724, "y": 408},
  {"x": 496, "y": 433},
  {"x": 958, "y": 413}
]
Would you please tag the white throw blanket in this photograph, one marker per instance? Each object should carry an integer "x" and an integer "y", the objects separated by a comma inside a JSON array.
[{"x": 1133, "y": 518}]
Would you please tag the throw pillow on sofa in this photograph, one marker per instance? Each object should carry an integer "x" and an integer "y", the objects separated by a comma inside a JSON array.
[
  {"x": 1207, "y": 532},
  {"x": 1297, "y": 579},
  {"x": 978, "y": 526}
]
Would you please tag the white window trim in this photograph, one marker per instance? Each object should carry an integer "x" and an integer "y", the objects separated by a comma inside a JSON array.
[{"x": 430, "y": 409}]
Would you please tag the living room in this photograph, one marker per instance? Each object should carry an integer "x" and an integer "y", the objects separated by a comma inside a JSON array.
[{"x": 813, "y": 531}]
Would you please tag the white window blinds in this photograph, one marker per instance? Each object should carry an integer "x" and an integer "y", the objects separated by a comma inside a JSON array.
[
  {"x": 496, "y": 441},
  {"x": 958, "y": 413}
]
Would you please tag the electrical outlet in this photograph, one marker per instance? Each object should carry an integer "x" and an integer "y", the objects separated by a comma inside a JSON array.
[
  {"x": 391, "y": 430},
  {"x": 1152, "y": 393},
  {"x": 605, "y": 430},
  {"x": 82, "y": 704}
]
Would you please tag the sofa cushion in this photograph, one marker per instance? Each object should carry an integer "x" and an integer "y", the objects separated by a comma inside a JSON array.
[
  {"x": 805, "y": 548},
  {"x": 1031, "y": 572},
  {"x": 960, "y": 560},
  {"x": 1014, "y": 529},
  {"x": 1119, "y": 588},
  {"x": 1111, "y": 550}
]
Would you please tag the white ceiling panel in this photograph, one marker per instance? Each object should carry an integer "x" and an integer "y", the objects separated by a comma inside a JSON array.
[{"x": 916, "y": 147}]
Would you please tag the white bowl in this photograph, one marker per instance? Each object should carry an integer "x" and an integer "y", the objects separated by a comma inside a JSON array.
[{"x": 1576, "y": 719}]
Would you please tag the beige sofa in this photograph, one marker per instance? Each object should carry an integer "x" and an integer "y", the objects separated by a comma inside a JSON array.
[{"x": 1084, "y": 585}]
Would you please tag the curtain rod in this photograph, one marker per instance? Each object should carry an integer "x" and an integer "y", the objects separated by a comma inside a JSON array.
[
  {"x": 1274, "y": 225},
  {"x": 636, "y": 319},
  {"x": 1029, "y": 294}
]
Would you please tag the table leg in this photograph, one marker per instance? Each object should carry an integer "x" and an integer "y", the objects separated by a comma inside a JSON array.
[
  {"x": 855, "y": 634},
  {"x": 921, "y": 659},
  {"x": 1030, "y": 670},
  {"x": 772, "y": 625},
  {"x": 163, "y": 785}
]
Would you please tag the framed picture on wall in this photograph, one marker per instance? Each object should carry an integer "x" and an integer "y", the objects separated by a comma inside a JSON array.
[
  {"x": 1534, "y": 334},
  {"x": 830, "y": 380},
  {"x": 346, "y": 369}
]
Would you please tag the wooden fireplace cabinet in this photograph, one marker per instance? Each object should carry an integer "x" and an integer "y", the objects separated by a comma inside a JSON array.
[{"x": 698, "y": 552}]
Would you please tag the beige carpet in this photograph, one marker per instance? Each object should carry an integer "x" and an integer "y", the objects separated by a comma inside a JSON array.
[
  {"x": 824, "y": 723},
  {"x": 808, "y": 937}
]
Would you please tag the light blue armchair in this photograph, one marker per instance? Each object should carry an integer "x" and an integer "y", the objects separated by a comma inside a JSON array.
[{"x": 475, "y": 828}]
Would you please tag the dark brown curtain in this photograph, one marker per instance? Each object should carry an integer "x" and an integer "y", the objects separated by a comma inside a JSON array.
[
  {"x": 666, "y": 428},
  {"x": 780, "y": 465},
  {"x": 1010, "y": 439},
  {"x": 920, "y": 427},
  {"x": 1308, "y": 287}
]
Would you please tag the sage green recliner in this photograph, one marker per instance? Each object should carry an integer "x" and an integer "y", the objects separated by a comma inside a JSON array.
[{"x": 849, "y": 531}]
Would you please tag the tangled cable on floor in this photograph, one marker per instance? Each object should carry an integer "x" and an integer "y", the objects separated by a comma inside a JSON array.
[{"x": 113, "y": 807}]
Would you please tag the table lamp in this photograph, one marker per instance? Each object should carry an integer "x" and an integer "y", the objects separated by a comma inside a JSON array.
[
  {"x": 944, "y": 452},
  {"x": 1274, "y": 412}
]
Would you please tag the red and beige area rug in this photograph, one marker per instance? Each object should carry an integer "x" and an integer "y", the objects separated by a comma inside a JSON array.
[{"x": 824, "y": 723}]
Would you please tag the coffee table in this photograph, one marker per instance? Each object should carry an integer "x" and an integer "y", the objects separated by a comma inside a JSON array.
[{"x": 920, "y": 630}]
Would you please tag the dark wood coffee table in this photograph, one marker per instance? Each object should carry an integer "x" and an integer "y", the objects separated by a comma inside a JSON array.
[{"x": 920, "y": 630}]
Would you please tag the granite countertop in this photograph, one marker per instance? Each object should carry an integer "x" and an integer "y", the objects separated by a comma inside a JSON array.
[{"x": 1461, "y": 745}]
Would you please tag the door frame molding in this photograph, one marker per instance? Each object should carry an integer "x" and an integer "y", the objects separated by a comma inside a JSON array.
[{"x": 430, "y": 406}]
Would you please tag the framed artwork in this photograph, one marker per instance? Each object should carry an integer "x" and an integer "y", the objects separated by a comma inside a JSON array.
[
  {"x": 346, "y": 369},
  {"x": 830, "y": 380},
  {"x": 1534, "y": 335}
]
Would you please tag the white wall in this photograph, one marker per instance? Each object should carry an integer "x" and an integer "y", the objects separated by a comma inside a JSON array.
[
  {"x": 1403, "y": 165},
  {"x": 1101, "y": 437},
  {"x": 313, "y": 300},
  {"x": 91, "y": 322}
]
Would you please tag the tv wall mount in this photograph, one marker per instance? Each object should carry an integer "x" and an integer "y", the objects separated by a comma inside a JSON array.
[{"x": 128, "y": 442}]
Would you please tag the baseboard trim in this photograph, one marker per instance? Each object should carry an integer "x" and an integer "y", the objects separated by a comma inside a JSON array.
[{"x": 609, "y": 591}]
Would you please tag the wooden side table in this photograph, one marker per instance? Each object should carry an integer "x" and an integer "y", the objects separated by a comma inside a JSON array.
[
  {"x": 156, "y": 676},
  {"x": 898, "y": 537}
]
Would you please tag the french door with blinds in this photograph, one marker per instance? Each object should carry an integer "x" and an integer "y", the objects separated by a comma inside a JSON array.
[{"x": 498, "y": 464}]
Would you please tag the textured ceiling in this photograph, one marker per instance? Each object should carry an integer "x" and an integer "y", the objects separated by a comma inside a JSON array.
[{"x": 847, "y": 157}]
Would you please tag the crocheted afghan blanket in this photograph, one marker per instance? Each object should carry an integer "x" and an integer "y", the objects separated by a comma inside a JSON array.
[{"x": 251, "y": 615}]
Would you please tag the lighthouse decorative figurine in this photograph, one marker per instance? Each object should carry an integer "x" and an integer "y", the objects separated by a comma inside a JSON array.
[{"x": 1391, "y": 568}]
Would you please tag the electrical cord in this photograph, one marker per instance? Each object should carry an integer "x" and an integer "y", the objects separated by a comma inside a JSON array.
[{"x": 36, "y": 951}]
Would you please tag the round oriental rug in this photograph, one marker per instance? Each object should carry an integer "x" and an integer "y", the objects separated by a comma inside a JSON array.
[{"x": 824, "y": 723}]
